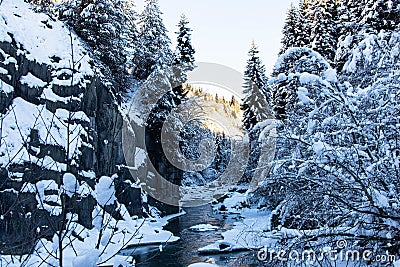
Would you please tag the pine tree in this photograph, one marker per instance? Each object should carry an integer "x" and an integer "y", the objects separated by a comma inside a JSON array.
[
  {"x": 255, "y": 106},
  {"x": 303, "y": 24},
  {"x": 109, "y": 29},
  {"x": 356, "y": 8},
  {"x": 184, "y": 55},
  {"x": 284, "y": 85},
  {"x": 41, "y": 5},
  {"x": 153, "y": 51},
  {"x": 381, "y": 15},
  {"x": 255, "y": 90},
  {"x": 130, "y": 32},
  {"x": 324, "y": 28},
  {"x": 350, "y": 15},
  {"x": 100, "y": 24},
  {"x": 290, "y": 30}
]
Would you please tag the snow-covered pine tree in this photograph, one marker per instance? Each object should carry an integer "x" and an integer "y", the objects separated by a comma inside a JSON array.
[
  {"x": 303, "y": 24},
  {"x": 153, "y": 51},
  {"x": 381, "y": 15},
  {"x": 255, "y": 90},
  {"x": 130, "y": 32},
  {"x": 255, "y": 105},
  {"x": 41, "y": 5},
  {"x": 299, "y": 75},
  {"x": 324, "y": 28},
  {"x": 290, "y": 30},
  {"x": 109, "y": 29},
  {"x": 356, "y": 8},
  {"x": 100, "y": 25},
  {"x": 349, "y": 25},
  {"x": 184, "y": 54},
  {"x": 284, "y": 86},
  {"x": 350, "y": 15}
]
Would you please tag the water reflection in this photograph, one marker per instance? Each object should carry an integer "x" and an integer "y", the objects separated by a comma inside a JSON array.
[{"x": 184, "y": 252}]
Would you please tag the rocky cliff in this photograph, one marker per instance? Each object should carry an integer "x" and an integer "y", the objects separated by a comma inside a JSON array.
[{"x": 58, "y": 115}]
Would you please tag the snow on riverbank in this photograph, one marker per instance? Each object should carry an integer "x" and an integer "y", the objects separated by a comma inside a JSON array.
[
  {"x": 247, "y": 234},
  {"x": 81, "y": 250}
]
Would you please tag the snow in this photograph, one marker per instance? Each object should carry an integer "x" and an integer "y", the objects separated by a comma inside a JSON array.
[
  {"x": 88, "y": 174},
  {"x": 280, "y": 64},
  {"x": 48, "y": 94},
  {"x": 331, "y": 75},
  {"x": 32, "y": 81},
  {"x": 351, "y": 65},
  {"x": 104, "y": 191},
  {"x": 3, "y": 71},
  {"x": 89, "y": 259},
  {"x": 380, "y": 199},
  {"x": 202, "y": 264},
  {"x": 70, "y": 184},
  {"x": 24, "y": 117},
  {"x": 203, "y": 228},
  {"x": 140, "y": 158},
  {"x": 78, "y": 115},
  {"x": 5, "y": 87},
  {"x": 302, "y": 94},
  {"x": 368, "y": 50},
  {"x": 306, "y": 78},
  {"x": 38, "y": 42},
  {"x": 320, "y": 147},
  {"x": 234, "y": 201},
  {"x": 348, "y": 40},
  {"x": 151, "y": 231},
  {"x": 43, "y": 199}
]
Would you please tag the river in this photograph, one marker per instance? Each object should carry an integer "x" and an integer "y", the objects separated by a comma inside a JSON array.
[{"x": 184, "y": 252}]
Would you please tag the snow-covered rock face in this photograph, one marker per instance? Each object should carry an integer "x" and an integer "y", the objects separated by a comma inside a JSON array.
[
  {"x": 56, "y": 116},
  {"x": 46, "y": 75},
  {"x": 45, "y": 125}
]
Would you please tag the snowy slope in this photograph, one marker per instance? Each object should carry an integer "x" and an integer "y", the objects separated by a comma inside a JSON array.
[{"x": 41, "y": 39}]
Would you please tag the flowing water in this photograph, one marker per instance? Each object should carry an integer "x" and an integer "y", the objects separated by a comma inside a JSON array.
[{"x": 184, "y": 252}]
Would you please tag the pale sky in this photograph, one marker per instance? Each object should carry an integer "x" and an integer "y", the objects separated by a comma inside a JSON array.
[{"x": 224, "y": 29}]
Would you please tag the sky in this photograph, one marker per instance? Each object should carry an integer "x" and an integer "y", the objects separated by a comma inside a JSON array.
[{"x": 223, "y": 30}]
